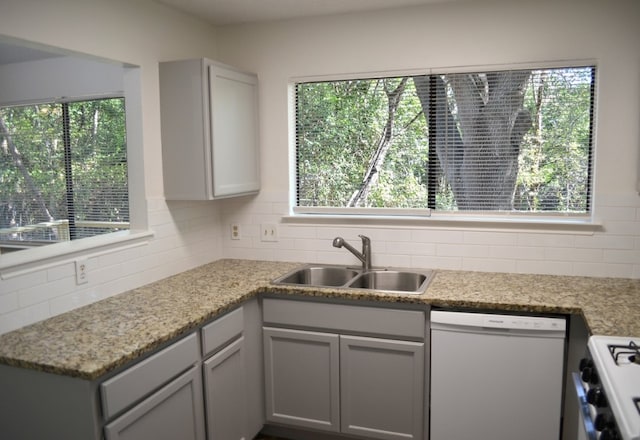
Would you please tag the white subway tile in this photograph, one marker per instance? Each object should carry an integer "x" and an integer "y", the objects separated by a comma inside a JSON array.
[
  {"x": 622, "y": 256},
  {"x": 546, "y": 239},
  {"x": 488, "y": 265},
  {"x": 391, "y": 260},
  {"x": 64, "y": 270},
  {"x": 604, "y": 241},
  {"x": 575, "y": 255},
  {"x": 490, "y": 238},
  {"x": 546, "y": 267},
  {"x": 23, "y": 281},
  {"x": 8, "y": 302},
  {"x": 411, "y": 248},
  {"x": 517, "y": 252},
  {"x": 433, "y": 262},
  {"x": 461, "y": 250},
  {"x": 45, "y": 292},
  {"x": 437, "y": 236},
  {"x": 586, "y": 269}
]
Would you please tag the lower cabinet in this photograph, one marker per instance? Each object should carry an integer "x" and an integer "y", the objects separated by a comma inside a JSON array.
[
  {"x": 382, "y": 383},
  {"x": 370, "y": 387},
  {"x": 302, "y": 378},
  {"x": 200, "y": 381},
  {"x": 225, "y": 393},
  {"x": 173, "y": 412}
]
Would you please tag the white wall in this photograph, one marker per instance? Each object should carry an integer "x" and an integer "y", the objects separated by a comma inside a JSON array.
[
  {"x": 141, "y": 33},
  {"x": 53, "y": 78},
  {"x": 187, "y": 234},
  {"x": 448, "y": 35}
]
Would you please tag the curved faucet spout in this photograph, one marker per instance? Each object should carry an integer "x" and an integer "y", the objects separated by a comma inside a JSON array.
[{"x": 364, "y": 256}]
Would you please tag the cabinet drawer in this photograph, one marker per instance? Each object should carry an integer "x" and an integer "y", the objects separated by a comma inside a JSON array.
[
  {"x": 222, "y": 330},
  {"x": 173, "y": 412},
  {"x": 141, "y": 379},
  {"x": 345, "y": 318}
]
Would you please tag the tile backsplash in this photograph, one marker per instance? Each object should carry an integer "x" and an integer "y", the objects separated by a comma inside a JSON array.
[{"x": 613, "y": 251}]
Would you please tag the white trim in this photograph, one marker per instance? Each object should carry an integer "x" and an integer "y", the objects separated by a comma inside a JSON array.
[
  {"x": 477, "y": 221},
  {"x": 44, "y": 257},
  {"x": 441, "y": 70},
  {"x": 375, "y": 212}
]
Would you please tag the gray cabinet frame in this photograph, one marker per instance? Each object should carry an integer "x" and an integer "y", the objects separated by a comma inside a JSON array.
[
  {"x": 226, "y": 393},
  {"x": 175, "y": 411},
  {"x": 382, "y": 388},
  {"x": 301, "y": 378},
  {"x": 335, "y": 381}
]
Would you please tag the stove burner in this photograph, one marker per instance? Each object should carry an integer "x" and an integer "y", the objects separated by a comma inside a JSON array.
[
  {"x": 625, "y": 354},
  {"x": 635, "y": 358}
]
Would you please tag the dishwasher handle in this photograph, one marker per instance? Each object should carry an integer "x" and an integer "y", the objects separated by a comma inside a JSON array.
[
  {"x": 495, "y": 323},
  {"x": 583, "y": 407}
]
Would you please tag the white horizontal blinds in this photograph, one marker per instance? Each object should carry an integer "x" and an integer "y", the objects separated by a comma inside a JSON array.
[
  {"x": 510, "y": 140},
  {"x": 99, "y": 163},
  {"x": 31, "y": 151},
  {"x": 63, "y": 171},
  {"x": 517, "y": 140}
]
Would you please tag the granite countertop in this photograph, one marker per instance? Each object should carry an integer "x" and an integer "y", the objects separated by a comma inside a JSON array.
[{"x": 93, "y": 340}]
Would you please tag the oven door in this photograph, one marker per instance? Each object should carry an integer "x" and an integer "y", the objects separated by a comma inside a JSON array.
[{"x": 586, "y": 428}]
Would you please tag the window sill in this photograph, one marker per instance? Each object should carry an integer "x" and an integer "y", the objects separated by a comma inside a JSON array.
[
  {"x": 23, "y": 262},
  {"x": 516, "y": 223}
]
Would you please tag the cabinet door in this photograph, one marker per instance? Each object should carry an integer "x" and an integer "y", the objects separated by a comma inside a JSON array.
[
  {"x": 209, "y": 115},
  {"x": 301, "y": 378},
  {"x": 173, "y": 412},
  {"x": 382, "y": 388},
  {"x": 225, "y": 393},
  {"x": 234, "y": 131}
]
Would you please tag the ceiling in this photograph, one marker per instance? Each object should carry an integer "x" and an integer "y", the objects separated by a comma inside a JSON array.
[{"x": 228, "y": 12}]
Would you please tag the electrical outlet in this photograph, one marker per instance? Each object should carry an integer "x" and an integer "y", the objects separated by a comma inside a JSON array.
[
  {"x": 235, "y": 231},
  {"x": 82, "y": 271},
  {"x": 268, "y": 232}
]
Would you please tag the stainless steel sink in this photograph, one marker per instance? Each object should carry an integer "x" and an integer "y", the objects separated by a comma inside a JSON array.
[
  {"x": 392, "y": 280},
  {"x": 332, "y": 276},
  {"x": 400, "y": 281}
]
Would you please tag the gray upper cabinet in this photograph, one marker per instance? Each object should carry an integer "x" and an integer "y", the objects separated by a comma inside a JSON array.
[{"x": 210, "y": 128}]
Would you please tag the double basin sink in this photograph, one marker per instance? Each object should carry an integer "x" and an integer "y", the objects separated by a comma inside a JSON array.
[{"x": 398, "y": 281}]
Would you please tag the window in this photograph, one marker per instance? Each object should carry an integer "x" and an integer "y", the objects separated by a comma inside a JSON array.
[
  {"x": 496, "y": 141},
  {"x": 63, "y": 172}
]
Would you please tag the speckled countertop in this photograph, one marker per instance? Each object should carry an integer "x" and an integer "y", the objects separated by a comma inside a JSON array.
[{"x": 93, "y": 340}]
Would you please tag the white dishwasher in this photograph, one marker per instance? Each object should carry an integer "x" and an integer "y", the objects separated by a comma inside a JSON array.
[{"x": 496, "y": 377}]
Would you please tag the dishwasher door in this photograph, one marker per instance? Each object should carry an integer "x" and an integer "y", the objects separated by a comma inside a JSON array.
[{"x": 496, "y": 377}]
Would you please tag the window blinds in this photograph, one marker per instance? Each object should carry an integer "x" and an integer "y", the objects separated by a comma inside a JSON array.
[
  {"x": 63, "y": 171},
  {"x": 510, "y": 140}
]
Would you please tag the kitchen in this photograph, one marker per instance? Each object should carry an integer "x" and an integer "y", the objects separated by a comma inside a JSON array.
[{"x": 189, "y": 234}]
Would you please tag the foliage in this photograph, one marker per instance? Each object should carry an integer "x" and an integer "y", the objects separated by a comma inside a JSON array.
[
  {"x": 34, "y": 172},
  {"x": 340, "y": 125}
]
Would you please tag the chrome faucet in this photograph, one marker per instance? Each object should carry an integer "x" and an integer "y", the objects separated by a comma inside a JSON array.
[{"x": 364, "y": 256}]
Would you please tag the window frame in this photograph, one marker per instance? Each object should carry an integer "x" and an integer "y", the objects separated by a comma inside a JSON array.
[
  {"x": 41, "y": 258},
  {"x": 578, "y": 222}
]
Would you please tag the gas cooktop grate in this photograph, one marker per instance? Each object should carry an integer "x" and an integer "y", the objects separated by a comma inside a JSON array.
[{"x": 625, "y": 354}]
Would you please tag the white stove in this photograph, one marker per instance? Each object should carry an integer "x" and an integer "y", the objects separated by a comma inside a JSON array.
[{"x": 614, "y": 386}]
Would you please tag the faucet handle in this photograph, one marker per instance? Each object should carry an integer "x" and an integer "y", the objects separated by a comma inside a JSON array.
[{"x": 365, "y": 239}]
